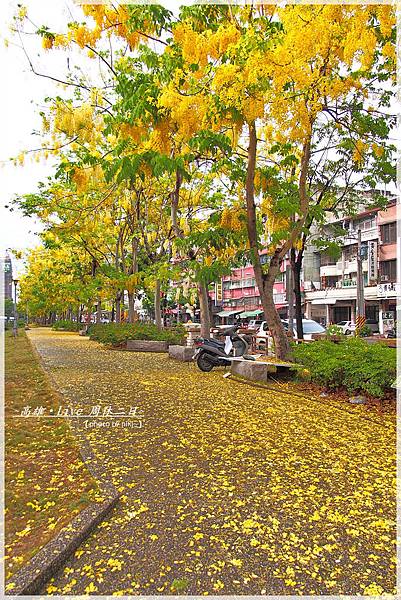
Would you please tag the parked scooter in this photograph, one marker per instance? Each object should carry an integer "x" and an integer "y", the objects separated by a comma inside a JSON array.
[{"x": 215, "y": 353}]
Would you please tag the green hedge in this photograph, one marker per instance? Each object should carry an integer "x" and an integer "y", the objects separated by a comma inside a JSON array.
[
  {"x": 352, "y": 364},
  {"x": 66, "y": 325},
  {"x": 116, "y": 334}
]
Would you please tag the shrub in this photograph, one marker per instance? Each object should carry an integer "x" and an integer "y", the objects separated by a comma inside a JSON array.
[
  {"x": 66, "y": 325},
  {"x": 334, "y": 330},
  {"x": 353, "y": 365},
  {"x": 116, "y": 334},
  {"x": 365, "y": 331}
]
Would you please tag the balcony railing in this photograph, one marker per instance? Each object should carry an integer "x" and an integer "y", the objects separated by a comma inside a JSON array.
[{"x": 348, "y": 283}]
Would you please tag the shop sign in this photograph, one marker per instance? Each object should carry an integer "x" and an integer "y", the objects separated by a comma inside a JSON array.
[
  {"x": 218, "y": 292},
  {"x": 372, "y": 261},
  {"x": 387, "y": 289},
  {"x": 388, "y": 321}
]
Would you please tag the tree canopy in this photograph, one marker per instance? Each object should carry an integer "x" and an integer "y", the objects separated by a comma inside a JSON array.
[{"x": 208, "y": 136}]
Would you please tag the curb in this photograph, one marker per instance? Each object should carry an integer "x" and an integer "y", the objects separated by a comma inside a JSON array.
[{"x": 33, "y": 576}]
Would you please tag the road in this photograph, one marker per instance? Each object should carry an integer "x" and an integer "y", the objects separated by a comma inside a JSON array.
[{"x": 227, "y": 488}]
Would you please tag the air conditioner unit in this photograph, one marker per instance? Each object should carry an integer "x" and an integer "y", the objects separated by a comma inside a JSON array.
[{"x": 383, "y": 278}]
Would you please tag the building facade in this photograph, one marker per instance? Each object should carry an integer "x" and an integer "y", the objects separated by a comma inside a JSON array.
[
  {"x": 388, "y": 284},
  {"x": 331, "y": 291},
  {"x": 329, "y": 285},
  {"x": 239, "y": 293}
]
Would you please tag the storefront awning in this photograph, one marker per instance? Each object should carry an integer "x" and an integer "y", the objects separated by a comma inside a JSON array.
[
  {"x": 251, "y": 313},
  {"x": 229, "y": 313},
  {"x": 324, "y": 301}
]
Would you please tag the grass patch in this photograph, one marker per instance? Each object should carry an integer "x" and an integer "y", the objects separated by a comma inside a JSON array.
[{"x": 46, "y": 482}]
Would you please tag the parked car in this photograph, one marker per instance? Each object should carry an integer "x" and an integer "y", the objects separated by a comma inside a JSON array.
[
  {"x": 310, "y": 328},
  {"x": 347, "y": 327},
  {"x": 255, "y": 323}
]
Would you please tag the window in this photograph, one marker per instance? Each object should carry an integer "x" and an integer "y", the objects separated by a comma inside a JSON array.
[
  {"x": 372, "y": 312},
  {"x": 388, "y": 270},
  {"x": 365, "y": 224},
  {"x": 250, "y": 282},
  {"x": 329, "y": 281},
  {"x": 235, "y": 283},
  {"x": 389, "y": 233}
]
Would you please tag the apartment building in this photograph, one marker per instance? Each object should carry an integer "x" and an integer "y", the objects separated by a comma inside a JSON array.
[
  {"x": 329, "y": 284},
  {"x": 331, "y": 287},
  {"x": 238, "y": 293},
  {"x": 388, "y": 287}
]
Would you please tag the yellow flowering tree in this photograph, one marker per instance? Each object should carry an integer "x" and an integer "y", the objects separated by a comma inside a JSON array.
[
  {"x": 271, "y": 77},
  {"x": 272, "y": 103}
]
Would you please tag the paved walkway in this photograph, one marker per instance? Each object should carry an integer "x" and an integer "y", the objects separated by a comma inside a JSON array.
[{"x": 227, "y": 489}]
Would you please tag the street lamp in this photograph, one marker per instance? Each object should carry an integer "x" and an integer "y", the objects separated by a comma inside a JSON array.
[{"x": 15, "y": 326}]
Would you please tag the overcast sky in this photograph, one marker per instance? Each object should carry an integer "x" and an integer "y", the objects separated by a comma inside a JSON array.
[
  {"x": 20, "y": 101},
  {"x": 21, "y": 96}
]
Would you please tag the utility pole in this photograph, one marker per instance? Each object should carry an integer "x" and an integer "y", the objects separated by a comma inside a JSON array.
[
  {"x": 360, "y": 292},
  {"x": 15, "y": 325}
]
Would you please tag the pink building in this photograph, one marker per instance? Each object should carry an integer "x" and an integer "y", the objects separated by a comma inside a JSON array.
[
  {"x": 239, "y": 294},
  {"x": 387, "y": 287}
]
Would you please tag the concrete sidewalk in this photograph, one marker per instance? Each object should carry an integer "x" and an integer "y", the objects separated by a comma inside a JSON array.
[{"x": 226, "y": 489}]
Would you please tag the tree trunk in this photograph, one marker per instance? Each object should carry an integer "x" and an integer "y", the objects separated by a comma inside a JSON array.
[
  {"x": 290, "y": 300},
  {"x": 134, "y": 270},
  {"x": 296, "y": 266},
  {"x": 210, "y": 305},
  {"x": 204, "y": 310},
  {"x": 118, "y": 307},
  {"x": 78, "y": 314},
  {"x": 113, "y": 312},
  {"x": 264, "y": 281},
  {"x": 281, "y": 342},
  {"x": 175, "y": 198},
  {"x": 99, "y": 311},
  {"x": 158, "y": 314},
  {"x": 131, "y": 310}
]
